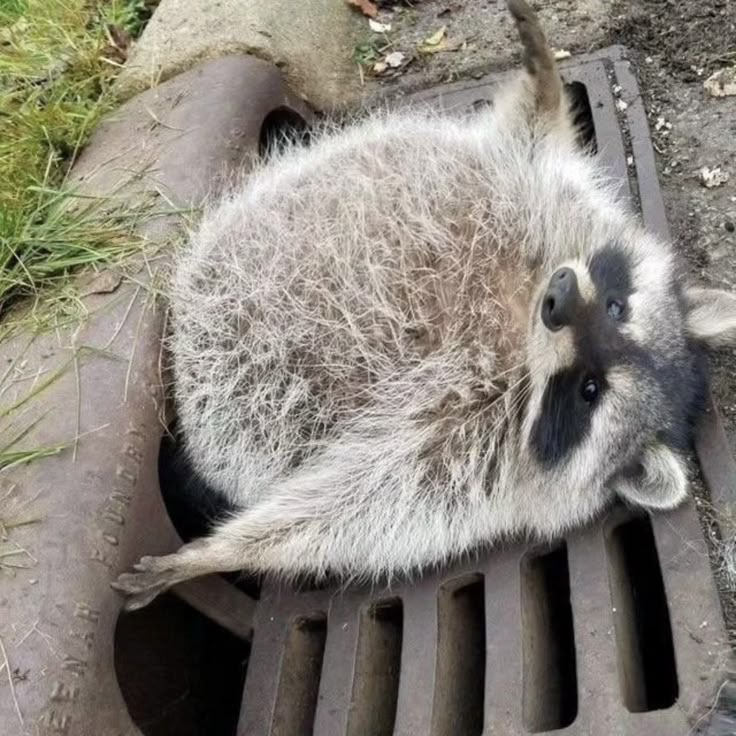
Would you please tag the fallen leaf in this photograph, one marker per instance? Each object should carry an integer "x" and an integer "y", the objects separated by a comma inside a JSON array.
[
  {"x": 721, "y": 83},
  {"x": 444, "y": 45},
  {"x": 711, "y": 178},
  {"x": 377, "y": 27},
  {"x": 438, "y": 42},
  {"x": 562, "y": 54},
  {"x": 365, "y": 6},
  {"x": 395, "y": 59},
  {"x": 436, "y": 37}
]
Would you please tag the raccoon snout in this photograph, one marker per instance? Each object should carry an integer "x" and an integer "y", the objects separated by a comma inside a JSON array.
[{"x": 560, "y": 301}]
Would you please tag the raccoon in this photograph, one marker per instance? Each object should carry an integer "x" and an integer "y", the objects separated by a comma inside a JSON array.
[{"x": 423, "y": 334}]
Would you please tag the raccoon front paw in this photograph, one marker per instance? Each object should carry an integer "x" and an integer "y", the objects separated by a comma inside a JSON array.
[{"x": 141, "y": 587}]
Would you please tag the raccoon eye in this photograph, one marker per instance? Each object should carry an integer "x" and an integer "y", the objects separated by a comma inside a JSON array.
[
  {"x": 589, "y": 390},
  {"x": 615, "y": 308}
]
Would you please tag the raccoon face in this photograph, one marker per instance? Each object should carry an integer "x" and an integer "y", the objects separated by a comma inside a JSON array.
[{"x": 618, "y": 373}]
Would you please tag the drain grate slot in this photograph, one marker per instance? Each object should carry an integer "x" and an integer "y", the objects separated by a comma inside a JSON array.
[
  {"x": 301, "y": 668},
  {"x": 461, "y": 659},
  {"x": 377, "y": 666},
  {"x": 550, "y": 695},
  {"x": 582, "y": 115},
  {"x": 281, "y": 128},
  {"x": 645, "y": 652}
]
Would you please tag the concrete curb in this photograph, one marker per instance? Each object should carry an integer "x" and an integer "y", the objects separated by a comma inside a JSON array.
[{"x": 311, "y": 41}]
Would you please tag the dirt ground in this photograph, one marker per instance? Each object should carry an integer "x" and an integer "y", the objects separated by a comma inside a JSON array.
[{"x": 674, "y": 46}]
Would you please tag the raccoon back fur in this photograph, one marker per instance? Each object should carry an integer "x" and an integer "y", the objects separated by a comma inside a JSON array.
[{"x": 426, "y": 333}]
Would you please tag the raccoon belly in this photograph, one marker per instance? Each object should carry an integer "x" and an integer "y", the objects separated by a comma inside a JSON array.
[
  {"x": 310, "y": 298},
  {"x": 265, "y": 377}
]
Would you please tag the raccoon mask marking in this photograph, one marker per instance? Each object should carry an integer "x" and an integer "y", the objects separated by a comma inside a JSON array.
[
  {"x": 423, "y": 334},
  {"x": 667, "y": 368}
]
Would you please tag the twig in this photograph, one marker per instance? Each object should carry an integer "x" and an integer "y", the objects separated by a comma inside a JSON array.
[
  {"x": 10, "y": 682},
  {"x": 141, "y": 317},
  {"x": 78, "y": 381},
  {"x": 47, "y": 638},
  {"x": 160, "y": 122},
  {"x": 710, "y": 710},
  {"x": 123, "y": 320}
]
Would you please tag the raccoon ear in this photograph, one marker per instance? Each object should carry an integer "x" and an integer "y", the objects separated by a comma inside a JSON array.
[
  {"x": 657, "y": 481},
  {"x": 711, "y": 316}
]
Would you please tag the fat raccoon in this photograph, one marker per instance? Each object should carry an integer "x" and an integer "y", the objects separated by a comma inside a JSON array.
[{"x": 423, "y": 334}]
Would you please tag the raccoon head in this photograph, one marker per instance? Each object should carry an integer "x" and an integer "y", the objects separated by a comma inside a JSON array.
[{"x": 617, "y": 371}]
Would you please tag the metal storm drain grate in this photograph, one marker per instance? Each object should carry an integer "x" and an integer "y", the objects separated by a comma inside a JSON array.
[{"x": 616, "y": 630}]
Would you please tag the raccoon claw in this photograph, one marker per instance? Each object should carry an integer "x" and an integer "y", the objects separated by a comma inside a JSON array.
[
  {"x": 146, "y": 564},
  {"x": 142, "y": 586}
]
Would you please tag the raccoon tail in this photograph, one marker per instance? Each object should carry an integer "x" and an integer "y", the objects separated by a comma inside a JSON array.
[{"x": 538, "y": 57}]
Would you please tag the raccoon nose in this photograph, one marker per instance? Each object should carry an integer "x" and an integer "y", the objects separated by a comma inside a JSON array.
[{"x": 560, "y": 300}]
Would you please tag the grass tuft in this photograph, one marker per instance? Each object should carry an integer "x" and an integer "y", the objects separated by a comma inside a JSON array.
[{"x": 58, "y": 60}]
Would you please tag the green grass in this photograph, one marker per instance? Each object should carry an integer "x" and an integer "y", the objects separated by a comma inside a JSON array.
[{"x": 58, "y": 59}]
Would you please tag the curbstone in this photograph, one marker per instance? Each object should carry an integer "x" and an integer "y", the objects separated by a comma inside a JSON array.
[{"x": 311, "y": 41}]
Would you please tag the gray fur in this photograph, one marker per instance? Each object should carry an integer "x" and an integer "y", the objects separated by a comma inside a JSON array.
[{"x": 360, "y": 361}]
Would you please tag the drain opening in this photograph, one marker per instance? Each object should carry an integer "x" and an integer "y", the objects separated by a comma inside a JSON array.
[
  {"x": 377, "y": 667},
  {"x": 481, "y": 103},
  {"x": 178, "y": 671},
  {"x": 194, "y": 507},
  {"x": 582, "y": 115},
  {"x": 645, "y": 651},
  {"x": 550, "y": 692},
  {"x": 301, "y": 668},
  {"x": 281, "y": 128},
  {"x": 461, "y": 659}
]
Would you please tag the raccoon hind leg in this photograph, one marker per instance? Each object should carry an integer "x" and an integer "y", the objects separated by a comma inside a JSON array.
[
  {"x": 154, "y": 575},
  {"x": 538, "y": 57},
  {"x": 256, "y": 540}
]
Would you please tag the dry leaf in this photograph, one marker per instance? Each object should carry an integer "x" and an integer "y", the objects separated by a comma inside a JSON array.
[
  {"x": 443, "y": 45},
  {"x": 438, "y": 41},
  {"x": 436, "y": 37},
  {"x": 365, "y": 6},
  {"x": 721, "y": 83},
  {"x": 711, "y": 178},
  {"x": 377, "y": 27},
  {"x": 395, "y": 59}
]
